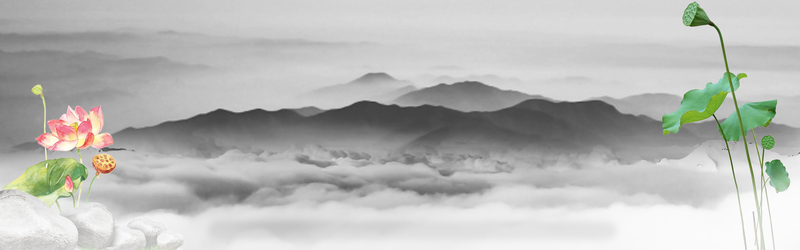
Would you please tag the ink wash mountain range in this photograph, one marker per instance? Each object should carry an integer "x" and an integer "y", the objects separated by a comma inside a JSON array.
[{"x": 468, "y": 118}]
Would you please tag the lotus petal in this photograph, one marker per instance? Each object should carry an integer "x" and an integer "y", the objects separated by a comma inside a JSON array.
[
  {"x": 96, "y": 117},
  {"x": 102, "y": 140},
  {"x": 47, "y": 140},
  {"x": 64, "y": 145}
]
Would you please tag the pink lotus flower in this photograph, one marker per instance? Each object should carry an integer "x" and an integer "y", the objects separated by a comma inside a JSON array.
[{"x": 76, "y": 128}]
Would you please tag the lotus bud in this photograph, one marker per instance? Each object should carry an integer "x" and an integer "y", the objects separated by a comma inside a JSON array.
[
  {"x": 695, "y": 16},
  {"x": 37, "y": 90},
  {"x": 768, "y": 142},
  {"x": 68, "y": 184},
  {"x": 103, "y": 163}
]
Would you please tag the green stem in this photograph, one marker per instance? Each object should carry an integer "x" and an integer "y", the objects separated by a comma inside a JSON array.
[
  {"x": 90, "y": 187},
  {"x": 735, "y": 183},
  {"x": 59, "y": 206},
  {"x": 755, "y": 229},
  {"x": 741, "y": 128},
  {"x": 763, "y": 184},
  {"x": 73, "y": 200},
  {"x": 81, "y": 185},
  {"x": 771, "y": 230},
  {"x": 764, "y": 194},
  {"x": 44, "y": 125},
  {"x": 760, "y": 156}
]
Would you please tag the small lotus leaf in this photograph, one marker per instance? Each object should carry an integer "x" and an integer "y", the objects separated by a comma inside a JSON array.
[
  {"x": 741, "y": 75},
  {"x": 754, "y": 114},
  {"x": 778, "y": 177},
  {"x": 698, "y": 105}
]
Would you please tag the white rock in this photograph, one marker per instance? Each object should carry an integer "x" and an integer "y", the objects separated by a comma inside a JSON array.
[
  {"x": 95, "y": 224},
  {"x": 127, "y": 239},
  {"x": 150, "y": 228},
  {"x": 169, "y": 240},
  {"x": 27, "y": 223}
]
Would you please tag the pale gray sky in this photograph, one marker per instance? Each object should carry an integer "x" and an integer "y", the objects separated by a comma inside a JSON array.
[
  {"x": 770, "y": 22},
  {"x": 241, "y": 55}
]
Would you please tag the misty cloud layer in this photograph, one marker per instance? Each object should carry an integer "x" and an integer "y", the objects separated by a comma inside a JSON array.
[{"x": 288, "y": 199}]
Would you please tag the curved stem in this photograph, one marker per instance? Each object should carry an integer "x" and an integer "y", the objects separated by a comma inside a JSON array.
[
  {"x": 735, "y": 183},
  {"x": 741, "y": 128},
  {"x": 90, "y": 187},
  {"x": 59, "y": 206},
  {"x": 44, "y": 125}
]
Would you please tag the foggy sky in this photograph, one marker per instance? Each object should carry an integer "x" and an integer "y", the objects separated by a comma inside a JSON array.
[
  {"x": 403, "y": 21},
  {"x": 190, "y": 57}
]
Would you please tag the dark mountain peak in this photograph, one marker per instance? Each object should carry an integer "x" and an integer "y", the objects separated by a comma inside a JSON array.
[
  {"x": 583, "y": 110},
  {"x": 220, "y": 111},
  {"x": 308, "y": 111},
  {"x": 216, "y": 114},
  {"x": 465, "y": 96},
  {"x": 471, "y": 84},
  {"x": 374, "y": 78},
  {"x": 368, "y": 105},
  {"x": 467, "y": 85},
  {"x": 540, "y": 104}
]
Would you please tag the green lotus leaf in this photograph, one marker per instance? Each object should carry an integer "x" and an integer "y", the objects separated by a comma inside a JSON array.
[
  {"x": 778, "y": 177},
  {"x": 698, "y": 105},
  {"x": 741, "y": 75},
  {"x": 754, "y": 114},
  {"x": 46, "y": 179}
]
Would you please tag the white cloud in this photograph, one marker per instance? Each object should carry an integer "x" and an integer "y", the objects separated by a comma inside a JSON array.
[
  {"x": 247, "y": 201},
  {"x": 337, "y": 225}
]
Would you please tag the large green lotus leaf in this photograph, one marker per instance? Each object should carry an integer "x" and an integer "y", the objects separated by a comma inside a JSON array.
[
  {"x": 778, "y": 177},
  {"x": 698, "y": 105},
  {"x": 46, "y": 179},
  {"x": 754, "y": 114}
]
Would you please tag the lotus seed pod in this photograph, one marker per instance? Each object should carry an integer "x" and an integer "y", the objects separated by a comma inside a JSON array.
[
  {"x": 103, "y": 163},
  {"x": 695, "y": 16},
  {"x": 37, "y": 90},
  {"x": 768, "y": 142}
]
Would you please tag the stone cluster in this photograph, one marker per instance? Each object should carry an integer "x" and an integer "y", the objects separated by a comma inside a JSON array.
[{"x": 27, "y": 223}]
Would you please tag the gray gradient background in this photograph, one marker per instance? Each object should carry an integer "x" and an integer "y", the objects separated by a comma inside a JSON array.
[{"x": 147, "y": 62}]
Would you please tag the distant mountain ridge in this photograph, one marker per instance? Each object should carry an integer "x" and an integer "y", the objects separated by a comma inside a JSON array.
[
  {"x": 374, "y": 78},
  {"x": 376, "y": 86},
  {"x": 653, "y": 105},
  {"x": 465, "y": 96},
  {"x": 555, "y": 126}
]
